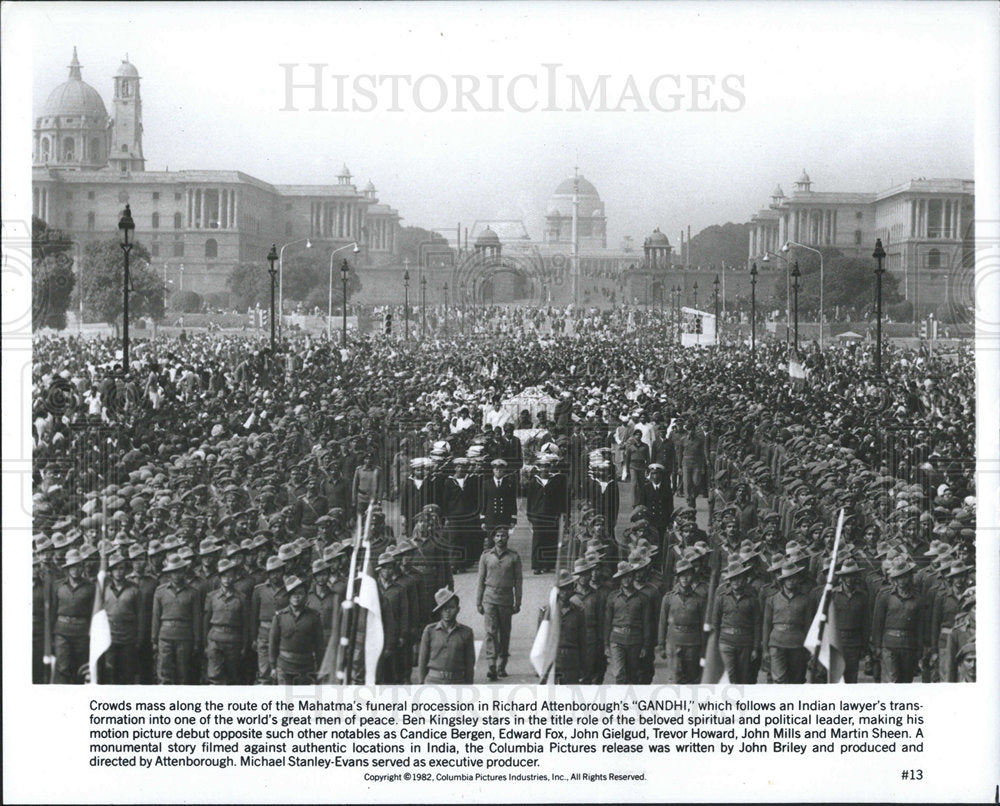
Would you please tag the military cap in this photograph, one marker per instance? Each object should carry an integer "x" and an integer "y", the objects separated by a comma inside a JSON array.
[
  {"x": 174, "y": 562},
  {"x": 274, "y": 563},
  {"x": 442, "y": 597},
  {"x": 292, "y": 583},
  {"x": 624, "y": 569}
]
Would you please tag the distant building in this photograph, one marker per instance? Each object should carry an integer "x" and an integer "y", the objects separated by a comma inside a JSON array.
[
  {"x": 926, "y": 227},
  {"x": 197, "y": 224}
]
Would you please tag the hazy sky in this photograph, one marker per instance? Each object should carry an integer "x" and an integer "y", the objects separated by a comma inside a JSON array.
[{"x": 861, "y": 95}]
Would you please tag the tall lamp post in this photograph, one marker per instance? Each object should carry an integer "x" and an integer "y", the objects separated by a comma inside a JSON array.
[
  {"x": 796, "y": 274},
  {"x": 345, "y": 270},
  {"x": 694, "y": 288},
  {"x": 879, "y": 255},
  {"x": 715, "y": 294},
  {"x": 788, "y": 291},
  {"x": 753, "y": 308},
  {"x": 125, "y": 225},
  {"x": 329, "y": 301},
  {"x": 406, "y": 301},
  {"x": 423, "y": 307},
  {"x": 272, "y": 257},
  {"x": 810, "y": 249},
  {"x": 461, "y": 303}
]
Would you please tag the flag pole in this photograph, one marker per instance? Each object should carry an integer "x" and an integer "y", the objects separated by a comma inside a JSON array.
[
  {"x": 814, "y": 638},
  {"x": 344, "y": 661}
]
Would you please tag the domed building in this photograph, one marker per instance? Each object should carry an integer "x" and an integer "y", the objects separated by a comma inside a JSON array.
[
  {"x": 591, "y": 221},
  {"x": 72, "y": 130}
]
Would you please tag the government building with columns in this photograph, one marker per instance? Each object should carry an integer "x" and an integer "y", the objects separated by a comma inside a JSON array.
[
  {"x": 197, "y": 224},
  {"x": 926, "y": 227}
]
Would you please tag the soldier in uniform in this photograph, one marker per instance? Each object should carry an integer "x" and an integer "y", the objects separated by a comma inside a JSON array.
[
  {"x": 548, "y": 500},
  {"x": 499, "y": 492},
  {"x": 295, "y": 645},
  {"x": 572, "y": 631},
  {"x": 628, "y": 625},
  {"x": 447, "y": 648},
  {"x": 177, "y": 624},
  {"x": 321, "y": 598},
  {"x": 852, "y": 610},
  {"x": 899, "y": 624},
  {"x": 70, "y": 614},
  {"x": 498, "y": 598},
  {"x": 736, "y": 619},
  {"x": 227, "y": 628},
  {"x": 267, "y": 598},
  {"x": 409, "y": 580},
  {"x": 656, "y": 495},
  {"x": 148, "y": 582},
  {"x": 788, "y": 613},
  {"x": 641, "y": 561},
  {"x": 395, "y": 620},
  {"x": 591, "y": 600},
  {"x": 121, "y": 602},
  {"x": 460, "y": 500},
  {"x": 603, "y": 494},
  {"x": 417, "y": 492},
  {"x": 682, "y": 616}
]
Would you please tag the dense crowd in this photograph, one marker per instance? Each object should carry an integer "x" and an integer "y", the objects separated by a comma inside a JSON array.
[{"x": 221, "y": 485}]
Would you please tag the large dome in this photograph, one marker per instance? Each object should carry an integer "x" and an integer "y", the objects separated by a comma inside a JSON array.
[
  {"x": 585, "y": 188},
  {"x": 74, "y": 97}
]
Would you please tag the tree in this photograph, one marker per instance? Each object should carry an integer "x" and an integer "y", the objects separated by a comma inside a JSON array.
[
  {"x": 186, "y": 302},
  {"x": 424, "y": 247},
  {"x": 716, "y": 245},
  {"x": 250, "y": 284},
  {"x": 52, "y": 278},
  {"x": 103, "y": 270},
  {"x": 847, "y": 282},
  {"x": 307, "y": 278}
]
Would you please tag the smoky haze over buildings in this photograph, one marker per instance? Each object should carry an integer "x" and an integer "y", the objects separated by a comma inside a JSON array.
[{"x": 856, "y": 101}]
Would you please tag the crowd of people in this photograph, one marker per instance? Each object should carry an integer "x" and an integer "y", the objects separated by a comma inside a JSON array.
[{"x": 220, "y": 485}]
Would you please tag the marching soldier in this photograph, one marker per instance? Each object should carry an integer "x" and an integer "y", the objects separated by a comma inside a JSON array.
[
  {"x": 295, "y": 645},
  {"x": 736, "y": 619},
  {"x": 227, "y": 628},
  {"x": 121, "y": 602},
  {"x": 410, "y": 582},
  {"x": 267, "y": 599},
  {"x": 591, "y": 600},
  {"x": 395, "y": 620},
  {"x": 853, "y": 616},
  {"x": 899, "y": 626},
  {"x": 447, "y": 648},
  {"x": 499, "y": 492},
  {"x": 682, "y": 616},
  {"x": 656, "y": 495},
  {"x": 147, "y": 583},
  {"x": 788, "y": 614},
  {"x": 572, "y": 631},
  {"x": 320, "y": 597},
  {"x": 70, "y": 614},
  {"x": 628, "y": 627},
  {"x": 498, "y": 598},
  {"x": 460, "y": 507},
  {"x": 548, "y": 500},
  {"x": 177, "y": 624}
]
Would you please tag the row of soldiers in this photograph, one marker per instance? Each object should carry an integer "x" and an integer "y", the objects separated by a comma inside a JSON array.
[
  {"x": 755, "y": 609},
  {"x": 229, "y": 614}
]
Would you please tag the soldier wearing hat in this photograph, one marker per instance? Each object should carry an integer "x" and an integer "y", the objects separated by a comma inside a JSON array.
[
  {"x": 176, "y": 625},
  {"x": 417, "y": 492},
  {"x": 788, "y": 613},
  {"x": 409, "y": 580},
  {"x": 737, "y": 618},
  {"x": 548, "y": 501},
  {"x": 899, "y": 623},
  {"x": 852, "y": 610},
  {"x": 70, "y": 614},
  {"x": 572, "y": 644},
  {"x": 321, "y": 598},
  {"x": 267, "y": 598},
  {"x": 121, "y": 602},
  {"x": 447, "y": 649},
  {"x": 498, "y": 598},
  {"x": 628, "y": 625},
  {"x": 682, "y": 617},
  {"x": 227, "y": 628},
  {"x": 641, "y": 558},
  {"x": 395, "y": 621},
  {"x": 499, "y": 497},
  {"x": 591, "y": 598},
  {"x": 603, "y": 494},
  {"x": 295, "y": 644}
]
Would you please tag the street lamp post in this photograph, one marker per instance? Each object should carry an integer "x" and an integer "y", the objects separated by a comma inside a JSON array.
[
  {"x": 345, "y": 270},
  {"x": 423, "y": 307},
  {"x": 461, "y": 302},
  {"x": 694, "y": 288},
  {"x": 810, "y": 249},
  {"x": 406, "y": 299},
  {"x": 125, "y": 225},
  {"x": 272, "y": 256},
  {"x": 788, "y": 291},
  {"x": 753, "y": 308},
  {"x": 715, "y": 294},
  {"x": 796, "y": 274},
  {"x": 329, "y": 303},
  {"x": 879, "y": 255}
]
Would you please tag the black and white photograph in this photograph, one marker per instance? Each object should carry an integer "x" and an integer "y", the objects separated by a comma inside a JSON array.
[{"x": 568, "y": 346}]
